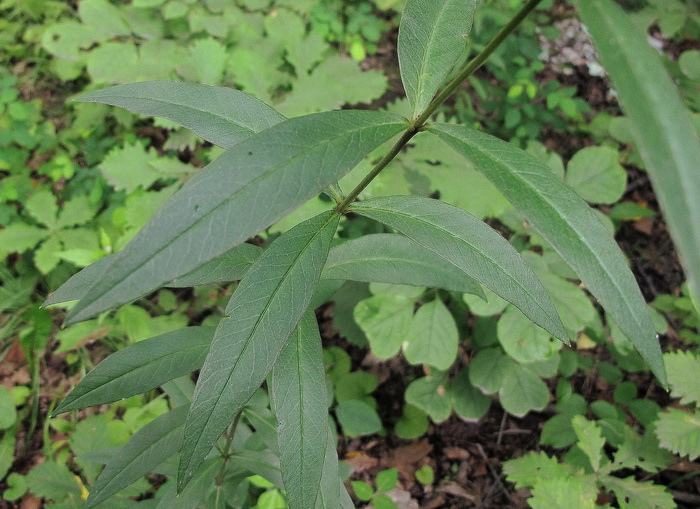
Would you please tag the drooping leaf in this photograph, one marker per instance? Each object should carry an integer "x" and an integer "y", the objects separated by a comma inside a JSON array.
[
  {"x": 432, "y": 37},
  {"x": 569, "y": 225},
  {"x": 261, "y": 316},
  {"x": 298, "y": 394},
  {"x": 145, "y": 450},
  {"x": 395, "y": 259},
  {"x": 660, "y": 124},
  {"x": 231, "y": 266},
  {"x": 248, "y": 188},
  {"x": 471, "y": 246},
  {"x": 222, "y": 116},
  {"x": 141, "y": 367}
]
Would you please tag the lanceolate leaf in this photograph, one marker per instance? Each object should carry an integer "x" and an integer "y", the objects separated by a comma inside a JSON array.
[
  {"x": 395, "y": 259},
  {"x": 223, "y": 116},
  {"x": 300, "y": 401},
  {"x": 141, "y": 367},
  {"x": 661, "y": 126},
  {"x": 330, "y": 486},
  {"x": 432, "y": 37},
  {"x": 248, "y": 188},
  {"x": 569, "y": 225},
  {"x": 148, "y": 448},
  {"x": 473, "y": 247},
  {"x": 230, "y": 266},
  {"x": 261, "y": 316}
]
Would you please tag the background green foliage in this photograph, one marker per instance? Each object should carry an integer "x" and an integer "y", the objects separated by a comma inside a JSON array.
[{"x": 79, "y": 180}]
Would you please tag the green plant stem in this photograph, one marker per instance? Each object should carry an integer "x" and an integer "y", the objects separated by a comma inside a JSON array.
[
  {"x": 226, "y": 453},
  {"x": 417, "y": 125}
]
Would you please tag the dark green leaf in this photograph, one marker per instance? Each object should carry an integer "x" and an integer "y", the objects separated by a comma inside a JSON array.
[
  {"x": 432, "y": 37},
  {"x": 569, "y": 225},
  {"x": 329, "y": 489},
  {"x": 247, "y": 189},
  {"x": 471, "y": 246},
  {"x": 299, "y": 398},
  {"x": 395, "y": 259},
  {"x": 141, "y": 367},
  {"x": 230, "y": 266},
  {"x": 661, "y": 126},
  {"x": 223, "y": 116},
  {"x": 145, "y": 450},
  {"x": 261, "y": 316}
]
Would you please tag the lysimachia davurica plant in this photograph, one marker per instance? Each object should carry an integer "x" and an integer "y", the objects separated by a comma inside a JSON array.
[{"x": 271, "y": 166}]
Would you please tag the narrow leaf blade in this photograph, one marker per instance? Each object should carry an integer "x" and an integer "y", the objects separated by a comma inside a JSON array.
[
  {"x": 395, "y": 259},
  {"x": 248, "y": 188},
  {"x": 470, "y": 245},
  {"x": 145, "y": 450},
  {"x": 432, "y": 37},
  {"x": 569, "y": 225},
  {"x": 300, "y": 400},
  {"x": 141, "y": 367},
  {"x": 230, "y": 266},
  {"x": 222, "y": 116},
  {"x": 661, "y": 125},
  {"x": 262, "y": 314}
]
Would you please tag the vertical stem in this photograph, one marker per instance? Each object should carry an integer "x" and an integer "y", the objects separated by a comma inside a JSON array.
[
  {"x": 417, "y": 124},
  {"x": 226, "y": 453}
]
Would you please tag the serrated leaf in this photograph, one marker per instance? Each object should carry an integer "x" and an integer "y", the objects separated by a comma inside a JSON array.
[
  {"x": 298, "y": 395},
  {"x": 208, "y": 58},
  {"x": 261, "y": 316},
  {"x": 471, "y": 246},
  {"x": 53, "y": 481},
  {"x": 578, "y": 492},
  {"x": 145, "y": 450},
  {"x": 75, "y": 212},
  {"x": 141, "y": 367},
  {"x": 632, "y": 494},
  {"x": 522, "y": 391},
  {"x": 432, "y": 37},
  {"x": 569, "y": 225},
  {"x": 596, "y": 175},
  {"x": 42, "y": 206},
  {"x": 590, "y": 440},
  {"x": 248, "y": 188},
  {"x": 433, "y": 336},
  {"x": 683, "y": 369},
  {"x": 679, "y": 432},
  {"x": 19, "y": 237},
  {"x": 395, "y": 259},
  {"x": 661, "y": 126},
  {"x": 222, "y": 116},
  {"x": 527, "y": 471},
  {"x": 45, "y": 256},
  {"x": 129, "y": 167},
  {"x": 431, "y": 395}
]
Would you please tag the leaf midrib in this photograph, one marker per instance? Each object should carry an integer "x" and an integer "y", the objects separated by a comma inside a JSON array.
[
  {"x": 416, "y": 218},
  {"x": 268, "y": 174},
  {"x": 541, "y": 199},
  {"x": 254, "y": 329}
]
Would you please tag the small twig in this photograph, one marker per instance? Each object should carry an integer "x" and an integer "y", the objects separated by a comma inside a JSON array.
[{"x": 500, "y": 431}]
